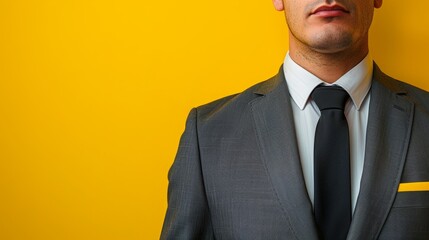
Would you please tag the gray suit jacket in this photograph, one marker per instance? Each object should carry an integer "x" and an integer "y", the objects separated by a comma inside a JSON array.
[{"x": 237, "y": 173}]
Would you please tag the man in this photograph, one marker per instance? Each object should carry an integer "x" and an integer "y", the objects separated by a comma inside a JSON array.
[{"x": 258, "y": 165}]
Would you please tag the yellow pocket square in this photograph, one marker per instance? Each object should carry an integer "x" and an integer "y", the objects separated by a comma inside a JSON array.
[{"x": 413, "y": 187}]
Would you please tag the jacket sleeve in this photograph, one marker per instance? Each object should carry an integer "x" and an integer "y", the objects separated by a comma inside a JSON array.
[{"x": 187, "y": 214}]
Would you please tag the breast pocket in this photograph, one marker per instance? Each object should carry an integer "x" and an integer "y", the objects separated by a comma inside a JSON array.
[{"x": 409, "y": 217}]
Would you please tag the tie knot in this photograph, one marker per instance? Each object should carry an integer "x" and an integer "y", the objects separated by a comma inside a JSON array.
[{"x": 330, "y": 97}]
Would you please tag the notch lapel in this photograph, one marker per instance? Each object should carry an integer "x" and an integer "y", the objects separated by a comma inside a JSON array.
[
  {"x": 388, "y": 134},
  {"x": 274, "y": 125}
]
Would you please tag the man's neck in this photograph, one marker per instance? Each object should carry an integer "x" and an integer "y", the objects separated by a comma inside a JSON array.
[{"x": 329, "y": 67}]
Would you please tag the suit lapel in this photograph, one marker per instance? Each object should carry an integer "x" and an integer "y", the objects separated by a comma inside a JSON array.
[
  {"x": 277, "y": 140},
  {"x": 388, "y": 133}
]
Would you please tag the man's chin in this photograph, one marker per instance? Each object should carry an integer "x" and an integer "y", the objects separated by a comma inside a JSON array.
[
  {"x": 331, "y": 43},
  {"x": 329, "y": 50}
]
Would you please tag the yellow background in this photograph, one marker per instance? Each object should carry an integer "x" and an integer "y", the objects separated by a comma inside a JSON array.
[{"x": 94, "y": 96}]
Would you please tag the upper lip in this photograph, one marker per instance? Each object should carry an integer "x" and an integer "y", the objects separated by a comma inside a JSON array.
[{"x": 335, "y": 7}]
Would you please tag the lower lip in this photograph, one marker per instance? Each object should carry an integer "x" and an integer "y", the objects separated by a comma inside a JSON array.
[{"x": 330, "y": 13}]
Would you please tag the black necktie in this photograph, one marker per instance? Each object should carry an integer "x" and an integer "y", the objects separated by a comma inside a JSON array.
[{"x": 332, "y": 200}]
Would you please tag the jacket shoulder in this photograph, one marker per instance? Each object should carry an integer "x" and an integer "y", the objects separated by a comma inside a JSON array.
[
  {"x": 236, "y": 103},
  {"x": 418, "y": 96}
]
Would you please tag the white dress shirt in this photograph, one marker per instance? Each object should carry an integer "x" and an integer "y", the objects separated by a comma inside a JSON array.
[{"x": 357, "y": 83}]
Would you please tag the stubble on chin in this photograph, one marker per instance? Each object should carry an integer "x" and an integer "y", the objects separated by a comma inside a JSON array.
[{"x": 330, "y": 41}]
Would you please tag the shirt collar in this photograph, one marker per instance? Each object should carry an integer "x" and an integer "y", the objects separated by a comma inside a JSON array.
[{"x": 301, "y": 82}]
